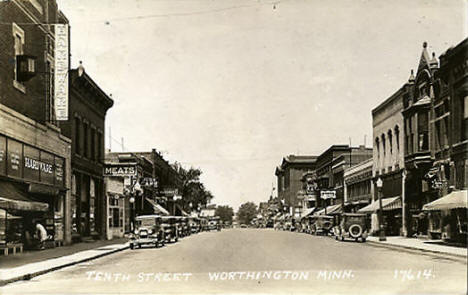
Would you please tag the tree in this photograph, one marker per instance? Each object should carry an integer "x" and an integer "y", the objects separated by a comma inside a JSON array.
[
  {"x": 247, "y": 212},
  {"x": 193, "y": 192},
  {"x": 225, "y": 213}
]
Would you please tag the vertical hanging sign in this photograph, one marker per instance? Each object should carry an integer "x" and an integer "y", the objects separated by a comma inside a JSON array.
[{"x": 61, "y": 72}]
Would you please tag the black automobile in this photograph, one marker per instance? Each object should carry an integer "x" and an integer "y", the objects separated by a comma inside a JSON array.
[
  {"x": 148, "y": 231},
  {"x": 170, "y": 227},
  {"x": 353, "y": 226}
]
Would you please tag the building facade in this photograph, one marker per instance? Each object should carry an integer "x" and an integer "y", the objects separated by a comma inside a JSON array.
[
  {"x": 289, "y": 184},
  {"x": 86, "y": 127},
  {"x": 358, "y": 188},
  {"x": 35, "y": 158}
]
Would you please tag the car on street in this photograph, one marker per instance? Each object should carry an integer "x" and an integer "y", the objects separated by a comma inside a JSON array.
[
  {"x": 352, "y": 226},
  {"x": 323, "y": 225},
  {"x": 171, "y": 231},
  {"x": 148, "y": 231}
]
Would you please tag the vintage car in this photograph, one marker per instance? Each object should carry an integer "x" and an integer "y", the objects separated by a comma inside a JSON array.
[
  {"x": 184, "y": 226},
  {"x": 351, "y": 225},
  {"x": 323, "y": 224},
  {"x": 171, "y": 231},
  {"x": 213, "y": 223},
  {"x": 148, "y": 231},
  {"x": 194, "y": 225}
]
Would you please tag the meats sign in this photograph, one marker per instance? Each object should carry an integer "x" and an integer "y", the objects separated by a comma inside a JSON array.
[{"x": 120, "y": 170}]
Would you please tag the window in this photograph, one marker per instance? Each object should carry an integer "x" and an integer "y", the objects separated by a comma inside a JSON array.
[
  {"x": 423, "y": 135},
  {"x": 18, "y": 35},
  {"x": 397, "y": 138},
  {"x": 390, "y": 141},
  {"x": 77, "y": 136},
  {"x": 85, "y": 140},
  {"x": 99, "y": 146},
  {"x": 438, "y": 135},
  {"x": 465, "y": 118},
  {"x": 383, "y": 144},
  {"x": 93, "y": 143}
]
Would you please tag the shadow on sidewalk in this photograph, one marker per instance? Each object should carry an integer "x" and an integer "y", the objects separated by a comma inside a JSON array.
[{"x": 32, "y": 256}]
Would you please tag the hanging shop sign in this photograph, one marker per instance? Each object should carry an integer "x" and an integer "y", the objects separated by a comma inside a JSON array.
[
  {"x": 148, "y": 182},
  {"x": 61, "y": 72},
  {"x": 120, "y": 170},
  {"x": 328, "y": 195}
]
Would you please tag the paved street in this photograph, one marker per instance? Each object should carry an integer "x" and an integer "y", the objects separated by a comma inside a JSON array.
[{"x": 256, "y": 261}]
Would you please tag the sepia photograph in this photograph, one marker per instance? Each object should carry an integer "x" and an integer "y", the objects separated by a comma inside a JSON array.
[{"x": 233, "y": 147}]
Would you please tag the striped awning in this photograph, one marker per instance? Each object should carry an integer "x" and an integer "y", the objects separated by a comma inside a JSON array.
[
  {"x": 157, "y": 208},
  {"x": 307, "y": 212},
  {"x": 332, "y": 209},
  {"x": 387, "y": 204},
  {"x": 457, "y": 199}
]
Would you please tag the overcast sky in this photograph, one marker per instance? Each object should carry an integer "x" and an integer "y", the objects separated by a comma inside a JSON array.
[{"x": 232, "y": 86}]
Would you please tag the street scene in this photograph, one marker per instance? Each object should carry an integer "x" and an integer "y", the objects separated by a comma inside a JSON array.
[
  {"x": 255, "y": 261},
  {"x": 233, "y": 147}
]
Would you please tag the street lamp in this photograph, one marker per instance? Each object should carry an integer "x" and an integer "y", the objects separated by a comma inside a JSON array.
[
  {"x": 382, "y": 237},
  {"x": 131, "y": 200}
]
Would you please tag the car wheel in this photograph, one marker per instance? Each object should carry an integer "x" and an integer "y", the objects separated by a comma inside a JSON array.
[
  {"x": 336, "y": 238},
  {"x": 363, "y": 240},
  {"x": 342, "y": 238},
  {"x": 132, "y": 246}
]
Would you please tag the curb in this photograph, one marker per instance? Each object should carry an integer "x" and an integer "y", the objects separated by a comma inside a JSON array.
[
  {"x": 412, "y": 249},
  {"x": 29, "y": 276}
]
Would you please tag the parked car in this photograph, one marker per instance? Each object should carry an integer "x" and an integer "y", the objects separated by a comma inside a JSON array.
[
  {"x": 351, "y": 225},
  {"x": 148, "y": 231},
  {"x": 171, "y": 231},
  {"x": 323, "y": 225}
]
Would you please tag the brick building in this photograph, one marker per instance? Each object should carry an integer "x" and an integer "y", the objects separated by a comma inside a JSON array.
[
  {"x": 289, "y": 175},
  {"x": 88, "y": 105},
  {"x": 35, "y": 158}
]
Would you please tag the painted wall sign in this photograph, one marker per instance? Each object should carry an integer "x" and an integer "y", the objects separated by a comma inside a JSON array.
[
  {"x": 119, "y": 170},
  {"x": 61, "y": 72},
  {"x": 15, "y": 157}
]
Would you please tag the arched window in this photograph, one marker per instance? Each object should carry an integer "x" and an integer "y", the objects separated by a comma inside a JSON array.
[
  {"x": 397, "y": 138},
  {"x": 383, "y": 144},
  {"x": 390, "y": 141}
]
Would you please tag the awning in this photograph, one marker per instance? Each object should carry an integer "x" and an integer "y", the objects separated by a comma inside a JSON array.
[
  {"x": 307, "y": 212},
  {"x": 332, "y": 209},
  {"x": 13, "y": 197},
  {"x": 182, "y": 211},
  {"x": 157, "y": 208},
  {"x": 457, "y": 199},
  {"x": 387, "y": 204}
]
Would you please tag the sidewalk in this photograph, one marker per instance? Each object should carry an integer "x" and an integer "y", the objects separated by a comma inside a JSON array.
[
  {"x": 432, "y": 246},
  {"x": 33, "y": 263}
]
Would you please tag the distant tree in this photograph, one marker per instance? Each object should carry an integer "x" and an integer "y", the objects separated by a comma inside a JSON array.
[
  {"x": 246, "y": 213},
  {"x": 225, "y": 213},
  {"x": 193, "y": 192}
]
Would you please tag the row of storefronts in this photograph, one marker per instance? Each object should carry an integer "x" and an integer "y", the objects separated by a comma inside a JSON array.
[{"x": 418, "y": 165}]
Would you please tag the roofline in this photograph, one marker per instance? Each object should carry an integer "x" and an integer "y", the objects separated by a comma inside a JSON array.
[{"x": 393, "y": 97}]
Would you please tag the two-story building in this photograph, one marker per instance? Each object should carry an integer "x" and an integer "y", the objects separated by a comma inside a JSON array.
[
  {"x": 86, "y": 127},
  {"x": 35, "y": 158}
]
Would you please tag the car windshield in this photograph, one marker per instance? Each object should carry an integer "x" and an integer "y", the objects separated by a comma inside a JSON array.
[
  {"x": 355, "y": 219},
  {"x": 146, "y": 222}
]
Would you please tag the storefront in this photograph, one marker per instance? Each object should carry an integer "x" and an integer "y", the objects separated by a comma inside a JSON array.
[
  {"x": 116, "y": 215},
  {"x": 447, "y": 217},
  {"x": 391, "y": 216},
  {"x": 32, "y": 189}
]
